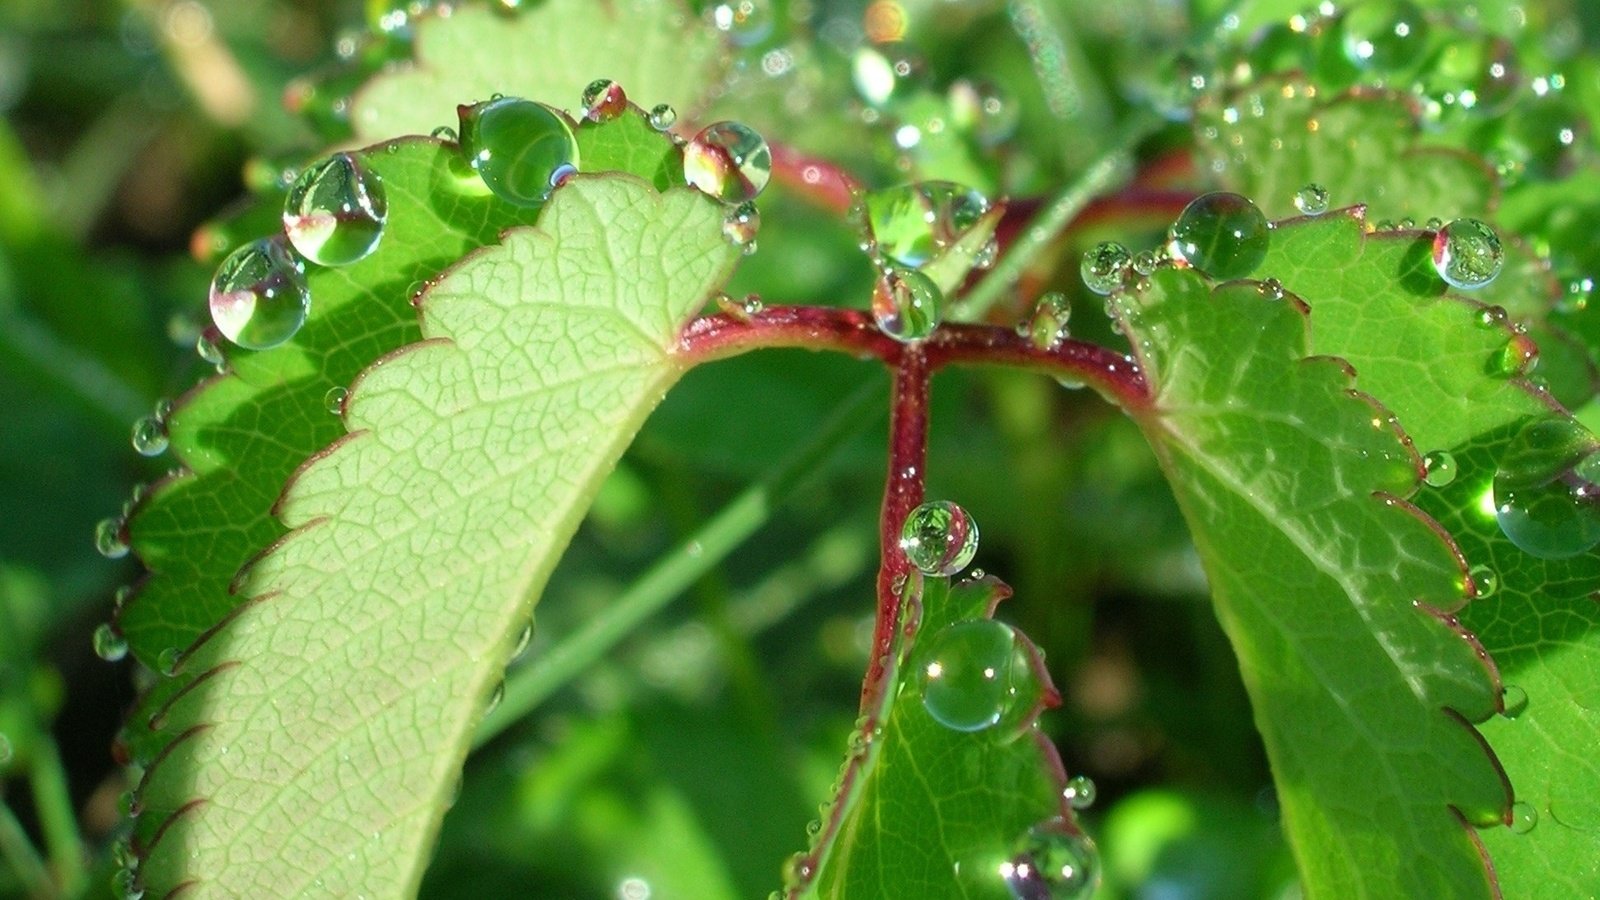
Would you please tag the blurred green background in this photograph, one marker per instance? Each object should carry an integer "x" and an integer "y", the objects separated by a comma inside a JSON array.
[{"x": 688, "y": 763}]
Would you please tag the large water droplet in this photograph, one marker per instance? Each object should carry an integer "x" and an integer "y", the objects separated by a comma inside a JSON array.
[
  {"x": 149, "y": 436},
  {"x": 517, "y": 147},
  {"x": 109, "y": 644},
  {"x": 259, "y": 297},
  {"x": 1053, "y": 863},
  {"x": 745, "y": 22},
  {"x": 906, "y": 304},
  {"x": 1439, "y": 468},
  {"x": 1222, "y": 234},
  {"x": 1467, "y": 254},
  {"x": 1046, "y": 326},
  {"x": 971, "y": 674},
  {"x": 1547, "y": 489},
  {"x": 911, "y": 223},
  {"x": 728, "y": 161},
  {"x": 939, "y": 538},
  {"x": 884, "y": 73},
  {"x": 1384, "y": 36},
  {"x": 604, "y": 100},
  {"x": 335, "y": 212},
  {"x": 1312, "y": 199},
  {"x": 1105, "y": 267},
  {"x": 109, "y": 539}
]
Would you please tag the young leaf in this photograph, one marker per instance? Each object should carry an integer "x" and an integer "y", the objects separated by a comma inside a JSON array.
[
  {"x": 319, "y": 730},
  {"x": 1326, "y": 581},
  {"x": 1436, "y": 361},
  {"x": 551, "y": 52}
]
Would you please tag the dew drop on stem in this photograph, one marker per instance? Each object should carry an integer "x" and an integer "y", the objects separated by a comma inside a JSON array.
[
  {"x": 939, "y": 538},
  {"x": 906, "y": 304},
  {"x": 1046, "y": 325}
]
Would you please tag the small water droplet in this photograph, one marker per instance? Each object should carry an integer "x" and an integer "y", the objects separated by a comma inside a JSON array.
[
  {"x": 1513, "y": 701},
  {"x": 939, "y": 538},
  {"x": 968, "y": 674},
  {"x": 1221, "y": 234},
  {"x": 1484, "y": 581},
  {"x": 1493, "y": 317},
  {"x": 109, "y": 538},
  {"x": 524, "y": 638},
  {"x": 741, "y": 225},
  {"x": 1105, "y": 267},
  {"x": 1312, "y": 200},
  {"x": 909, "y": 224},
  {"x": 259, "y": 297},
  {"x": 333, "y": 400},
  {"x": 906, "y": 304},
  {"x": 885, "y": 73},
  {"x": 150, "y": 436},
  {"x": 207, "y": 348},
  {"x": 1271, "y": 289},
  {"x": 1053, "y": 862},
  {"x": 728, "y": 161},
  {"x": 1547, "y": 489},
  {"x": 109, "y": 644},
  {"x": 169, "y": 661},
  {"x": 1046, "y": 325},
  {"x": 1080, "y": 792},
  {"x": 1524, "y": 816},
  {"x": 604, "y": 100},
  {"x": 495, "y": 696},
  {"x": 1144, "y": 263},
  {"x": 1467, "y": 254},
  {"x": 444, "y": 133},
  {"x": 516, "y": 146},
  {"x": 745, "y": 22},
  {"x": 1439, "y": 468},
  {"x": 984, "y": 110},
  {"x": 335, "y": 212},
  {"x": 751, "y": 305},
  {"x": 661, "y": 117}
]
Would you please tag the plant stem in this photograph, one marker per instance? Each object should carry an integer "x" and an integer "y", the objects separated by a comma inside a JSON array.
[
  {"x": 817, "y": 180},
  {"x": 24, "y": 859},
  {"x": 1054, "y": 218},
  {"x": 56, "y": 819},
  {"x": 530, "y": 685},
  {"x": 902, "y": 492}
]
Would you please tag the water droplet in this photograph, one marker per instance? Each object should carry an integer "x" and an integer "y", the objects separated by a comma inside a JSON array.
[
  {"x": 495, "y": 696},
  {"x": 745, "y": 22},
  {"x": 1145, "y": 262},
  {"x": 259, "y": 297},
  {"x": 1046, "y": 326},
  {"x": 885, "y": 73},
  {"x": 1467, "y": 254},
  {"x": 1080, "y": 792},
  {"x": 516, "y": 146},
  {"x": 1384, "y": 36},
  {"x": 728, "y": 161},
  {"x": 1517, "y": 358},
  {"x": 939, "y": 538},
  {"x": 661, "y": 117},
  {"x": 1270, "y": 289},
  {"x": 1053, "y": 862},
  {"x": 911, "y": 223},
  {"x": 604, "y": 100},
  {"x": 206, "y": 347},
  {"x": 524, "y": 638},
  {"x": 169, "y": 661},
  {"x": 984, "y": 110},
  {"x": 1221, "y": 234},
  {"x": 150, "y": 436},
  {"x": 1493, "y": 317},
  {"x": 968, "y": 674},
  {"x": 741, "y": 225},
  {"x": 1513, "y": 700},
  {"x": 109, "y": 538},
  {"x": 1438, "y": 468},
  {"x": 109, "y": 644},
  {"x": 906, "y": 304},
  {"x": 1312, "y": 200},
  {"x": 1484, "y": 581},
  {"x": 1105, "y": 267},
  {"x": 1524, "y": 816},
  {"x": 751, "y": 305},
  {"x": 333, "y": 400},
  {"x": 335, "y": 212},
  {"x": 1547, "y": 489},
  {"x": 444, "y": 133}
]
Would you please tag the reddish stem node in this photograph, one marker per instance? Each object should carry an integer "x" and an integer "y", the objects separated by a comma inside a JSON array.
[{"x": 814, "y": 179}]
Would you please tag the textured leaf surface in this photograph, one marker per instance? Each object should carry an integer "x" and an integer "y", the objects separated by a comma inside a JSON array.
[
  {"x": 929, "y": 811},
  {"x": 1428, "y": 357},
  {"x": 1290, "y": 483},
  {"x": 321, "y": 728},
  {"x": 550, "y": 52}
]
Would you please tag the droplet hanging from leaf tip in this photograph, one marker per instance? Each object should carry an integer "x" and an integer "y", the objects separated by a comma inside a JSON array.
[
  {"x": 259, "y": 297},
  {"x": 335, "y": 212}
]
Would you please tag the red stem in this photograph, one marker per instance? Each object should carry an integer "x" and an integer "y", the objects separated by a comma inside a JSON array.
[{"x": 816, "y": 179}]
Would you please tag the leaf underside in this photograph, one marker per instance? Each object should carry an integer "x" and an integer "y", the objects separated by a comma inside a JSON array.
[
  {"x": 1324, "y": 579},
  {"x": 321, "y": 728}
]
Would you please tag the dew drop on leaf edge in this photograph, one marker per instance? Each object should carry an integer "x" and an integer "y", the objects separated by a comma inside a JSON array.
[
  {"x": 517, "y": 147},
  {"x": 1105, "y": 267},
  {"x": 1467, "y": 254},
  {"x": 335, "y": 212},
  {"x": 939, "y": 538},
  {"x": 968, "y": 674},
  {"x": 1080, "y": 792},
  {"x": 109, "y": 644},
  {"x": 661, "y": 117},
  {"x": 1311, "y": 200},
  {"x": 259, "y": 297},
  {"x": 728, "y": 161},
  {"x": 1439, "y": 468},
  {"x": 1524, "y": 817},
  {"x": 1221, "y": 234},
  {"x": 1052, "y": 862},
  {"x": 108, "y": 538},
  {"x": 604, "y": 100},
  {"x": 1547, "y": 489},
  {"x": 1513, "y": 701},
  {"x": 149, "y": 436}
]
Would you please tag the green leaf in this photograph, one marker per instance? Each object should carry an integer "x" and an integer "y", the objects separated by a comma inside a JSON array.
[
  {"x": 320, "y": 729},
  {"x": 1323, "y": 579},
  {"x": 550, "y": 52},
  {"x": 1429, "y": 358},
  {"x": 926, "y": 810}
]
